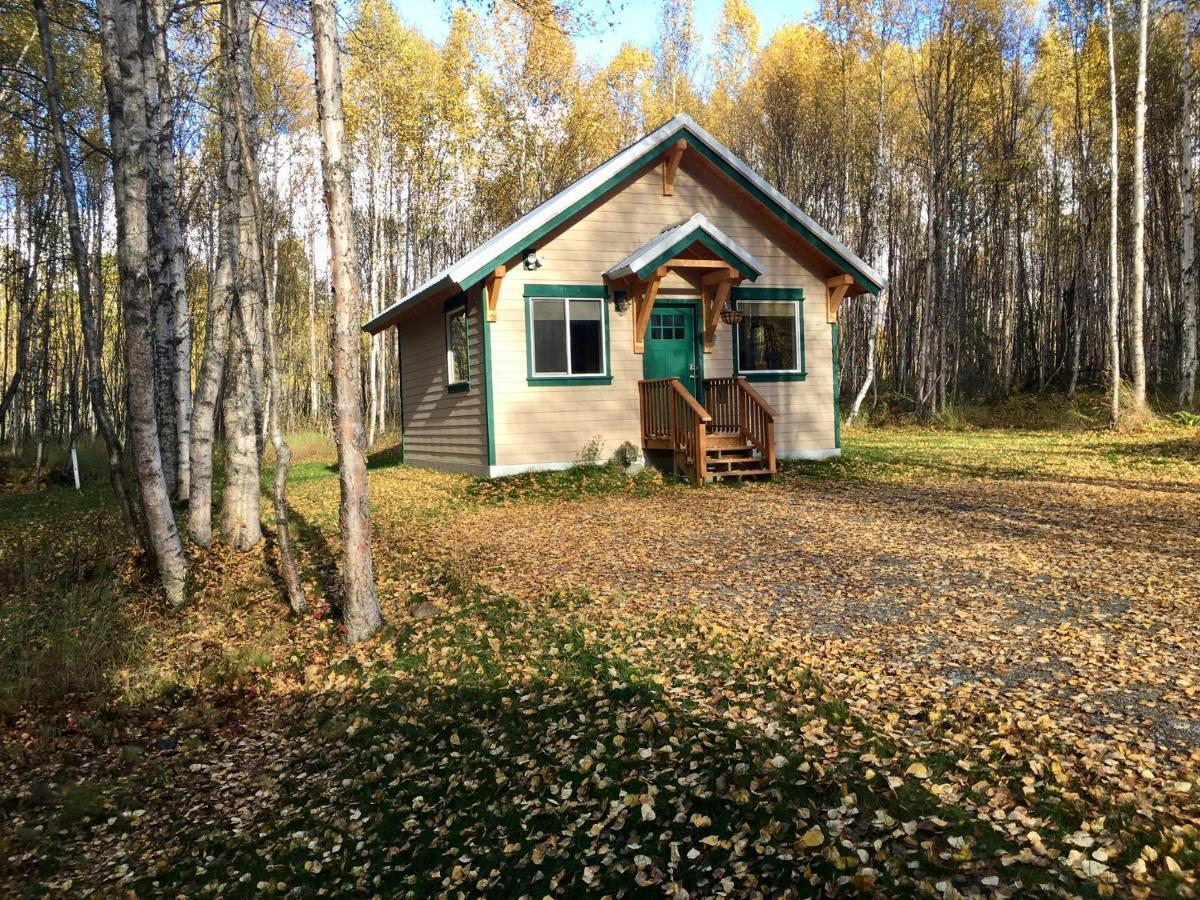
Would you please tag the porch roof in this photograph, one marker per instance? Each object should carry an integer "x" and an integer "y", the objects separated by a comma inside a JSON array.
[{"x": 676, "y": 240}]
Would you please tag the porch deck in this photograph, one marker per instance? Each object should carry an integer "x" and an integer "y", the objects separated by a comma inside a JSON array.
[{"x": 732, "y": 435}]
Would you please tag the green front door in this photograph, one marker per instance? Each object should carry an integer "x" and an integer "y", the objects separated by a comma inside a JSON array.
[{"x": 670, "y": 346}]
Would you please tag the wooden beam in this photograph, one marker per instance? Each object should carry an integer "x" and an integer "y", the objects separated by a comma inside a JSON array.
[
  {"x": 492, "y": 283},
  {"x": 681, "y": 263},
  {"x": 835, "y": 292},
  {"x": 671, "y": 166},
  {"x": 644, "y": 306},
  {"x": 724, "y": 274},
  {"x": 720, "y": 296}
]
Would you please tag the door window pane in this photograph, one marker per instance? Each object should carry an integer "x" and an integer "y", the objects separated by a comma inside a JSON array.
[{"x": 768, "y": 336}]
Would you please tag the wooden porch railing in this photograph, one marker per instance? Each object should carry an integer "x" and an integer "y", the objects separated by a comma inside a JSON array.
[
  {"x": 673, "y": 419},
  {"x": 737, "y": 408}
]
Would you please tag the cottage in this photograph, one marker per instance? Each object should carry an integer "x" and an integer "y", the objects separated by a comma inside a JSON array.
[{"x": 670, "y": 298}]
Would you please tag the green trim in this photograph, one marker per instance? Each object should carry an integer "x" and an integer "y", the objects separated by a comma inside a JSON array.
[
  {"x": 708, "y": 241},
  {"x": 768, "y": 293},
  {"x": 487, "y": 378},
  {"x": 453, "y": 305},
  {"x": 577, "y": 291},
  {"x": 566, "y": 292},
  {"x": 698, "y": 335},
  {"x": 568, "y": 380},
  {"x": 658, "y": 150},
  {"x": 837, "y": 392},
  {"x": 796, "y": 295}
]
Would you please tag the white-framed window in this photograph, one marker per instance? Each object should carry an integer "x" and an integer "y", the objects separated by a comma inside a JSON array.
[
  {"x": 458, "y": 348},
  {"x": 567, "y": 337},
  {"x": 770, "y": 337}
]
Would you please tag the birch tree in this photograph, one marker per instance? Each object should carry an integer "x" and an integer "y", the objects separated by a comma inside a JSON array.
[
  {"x": 359, "y": 603},
  {"x": 1187, "y": 185},
  {"x": 1138, "y": 301},
  {"x": 124, "y": 76},
  {"x": 1114, "y": 287}
]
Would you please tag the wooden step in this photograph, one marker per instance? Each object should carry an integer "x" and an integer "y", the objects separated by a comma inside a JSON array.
[
  {"x": 734, "y": 459},
  {"x": 739, "y": 473},
  {"x": 725, "y": 442}
]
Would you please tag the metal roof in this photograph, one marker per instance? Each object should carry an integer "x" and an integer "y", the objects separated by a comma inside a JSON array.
[
  {"x": 473, "y": 267},
  {"x": 674, "y": 239}
]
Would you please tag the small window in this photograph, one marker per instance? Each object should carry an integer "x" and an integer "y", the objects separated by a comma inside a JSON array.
[
  {"x": 768, "y": 336},
  {"x": 568, "y": 336},
  {"x": 458, "y": 353}
]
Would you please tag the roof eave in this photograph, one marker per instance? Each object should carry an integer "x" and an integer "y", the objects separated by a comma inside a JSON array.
[{"x": 388, "y": 317}]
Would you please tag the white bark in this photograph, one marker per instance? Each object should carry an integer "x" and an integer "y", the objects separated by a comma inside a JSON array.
[
  {"x": 1139, "y": 215},
  {"x": 360, "y": 605},
  {"x": 1114, "y": 289},
  {"x": 1187, "y": 185},
  {"x": 125, "y": 88}
]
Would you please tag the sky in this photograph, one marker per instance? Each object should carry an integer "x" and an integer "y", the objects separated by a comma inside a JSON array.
[{"x": 635, "y": 21}]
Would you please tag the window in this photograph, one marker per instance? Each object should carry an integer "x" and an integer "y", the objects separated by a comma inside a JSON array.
[
  {"x": 770, "y": 337},
  {"x": 567, "y": 337},
  {"x": 667, "y": 327},
  {"x": 458, "y": 354}
]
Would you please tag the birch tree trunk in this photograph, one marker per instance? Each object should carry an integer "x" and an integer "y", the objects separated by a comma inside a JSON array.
[
  {"x": 221, "y": 299},
  {"x": 359, "y": 604},
  {"x": 1114, "y": 287},
  {"x": 175, "y": 269},
  {"x": 162, "y": 302},
  {"x": 1139, "y": 215},
  {"x": 1187, "y": 185},
  {"x": 314, "y": 388},
  {"x": 876, "y": 245},
  {"x": 287, "y": 554},
  {"x": 124, "y": 83},
  {"x": 241, "y": 506},
  {"x": 79, "y": 255}
]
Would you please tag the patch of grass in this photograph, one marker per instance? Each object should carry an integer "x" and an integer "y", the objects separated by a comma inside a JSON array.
[
  {"x": 918, "y": 454},
  {"x": 584, "y": 480}
]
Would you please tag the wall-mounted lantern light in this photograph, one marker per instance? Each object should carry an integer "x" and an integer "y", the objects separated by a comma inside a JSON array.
[
  {"x": 621, "y": 301},
  {"x": 532, "y": 260}
]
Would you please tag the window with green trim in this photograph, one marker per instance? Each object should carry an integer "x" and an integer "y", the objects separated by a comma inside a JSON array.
[
  {"x": 458, "y": 349},
  {"x": 567, "y": 337},
  {"x": 770, "y": 337}
]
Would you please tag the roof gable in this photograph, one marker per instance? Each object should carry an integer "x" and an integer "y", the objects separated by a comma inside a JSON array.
[
  {"x": 674, "y": 240},
  {"x": 550, "y": 215}
]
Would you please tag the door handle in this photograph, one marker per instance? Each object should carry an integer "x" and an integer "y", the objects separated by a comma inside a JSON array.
[{"x": 692, "y": 369}]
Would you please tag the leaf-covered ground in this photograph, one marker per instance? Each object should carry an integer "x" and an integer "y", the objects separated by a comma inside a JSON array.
[{"x": 946, "y": 663}]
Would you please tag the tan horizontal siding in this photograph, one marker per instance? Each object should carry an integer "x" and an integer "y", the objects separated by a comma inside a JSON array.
[
  {"x": 442, "y": 428},
  {"x": 541, "y": 424}
]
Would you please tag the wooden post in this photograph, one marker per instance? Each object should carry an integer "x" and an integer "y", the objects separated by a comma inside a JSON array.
[
  {"x": 492, "y": 283},
  {"x": 646, "y": 304},
  {"x": 835, "y": 292},
  {"x": 671, "y": 166},
  {"x": 719, "y": 284}
]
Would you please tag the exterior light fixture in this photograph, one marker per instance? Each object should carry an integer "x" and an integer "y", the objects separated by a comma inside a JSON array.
[
  {"x": 532, "y": 260},
  {"x": 621, "y": 301}
]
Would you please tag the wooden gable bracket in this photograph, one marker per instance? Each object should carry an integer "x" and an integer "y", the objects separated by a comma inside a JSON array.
[
  {"x": 492, "y": 284},
  {"x": 835, "y": 292},
  {"x": 643, "y": 303},
  {"x": 715, "y": 288},
  {"x": 671, "y": 166}
]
